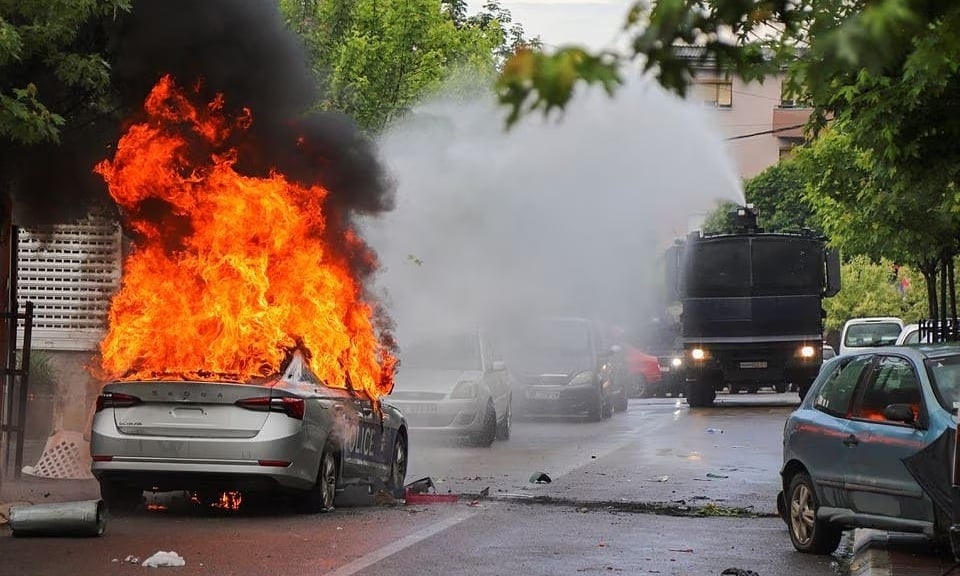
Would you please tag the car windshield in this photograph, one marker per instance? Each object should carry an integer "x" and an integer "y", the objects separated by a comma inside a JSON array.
[
  {"x": 457, "y": 352},
  {"x": 560, "y": 336},
  {"x": 871, "y": 334},
  {"x": 945, "y": 375}
]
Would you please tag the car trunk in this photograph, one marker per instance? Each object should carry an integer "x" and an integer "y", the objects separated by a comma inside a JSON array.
[{"x": 181, "y": 409}]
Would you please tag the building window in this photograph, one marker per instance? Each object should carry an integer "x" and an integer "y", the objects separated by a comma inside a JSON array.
[
  {"x": 787, "y": 98},
  {"x": 70, "y": 272},
  {"x": 718, "y": 93}
]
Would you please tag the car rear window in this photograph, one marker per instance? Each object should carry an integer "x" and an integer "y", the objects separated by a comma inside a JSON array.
[
  {"x": 945, "y": 375},
  {"x": 871, "y": 334}
]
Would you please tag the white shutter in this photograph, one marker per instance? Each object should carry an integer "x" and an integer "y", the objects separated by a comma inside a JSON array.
[{"x": 69, "y": 272}]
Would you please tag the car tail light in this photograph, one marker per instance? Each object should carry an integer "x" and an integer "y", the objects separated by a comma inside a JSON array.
[
  {"x": 292, "y": 407},
  {"x": 116, "y": 400}
]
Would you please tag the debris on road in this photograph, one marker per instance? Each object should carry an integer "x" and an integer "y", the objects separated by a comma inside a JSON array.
[
  {"x": 660, "y": 479},
  {"x": 718, "y": 476},
  {"x": 485, "y": 492},
  {"x": 384, "y": 498},
  {"x": 83, "y": 518},
  {"x": 714, "y": 431},
  {"x": 540, "y": 478},
  {"x": 738, "y": 572},
  {"x": 162, "y": 558},
  {"x": 684, "y": 550},
  {"x": 420, "y": 486}
]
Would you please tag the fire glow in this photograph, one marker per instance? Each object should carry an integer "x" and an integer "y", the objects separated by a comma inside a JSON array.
[{"x": 235, "y": 273}]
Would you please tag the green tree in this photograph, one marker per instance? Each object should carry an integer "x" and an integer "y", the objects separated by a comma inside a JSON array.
[
  {"x": 53, "y": 72},
  {"x": 376, "y": 59},
  {"x": 871, "y": 289}
]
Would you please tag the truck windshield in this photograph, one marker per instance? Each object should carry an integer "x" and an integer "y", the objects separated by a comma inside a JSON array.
[{"x": 754, "y": 266}]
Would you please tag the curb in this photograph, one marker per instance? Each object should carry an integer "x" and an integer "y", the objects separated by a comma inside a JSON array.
[{"x": 870, "y": 555}]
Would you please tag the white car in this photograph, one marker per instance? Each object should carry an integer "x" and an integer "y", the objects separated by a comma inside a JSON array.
[
  {"x": 454, "y": 386},
  {"x": 866, "y": 333}
]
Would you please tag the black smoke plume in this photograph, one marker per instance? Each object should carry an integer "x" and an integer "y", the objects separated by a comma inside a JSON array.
[{"x": 238, "y": 48}]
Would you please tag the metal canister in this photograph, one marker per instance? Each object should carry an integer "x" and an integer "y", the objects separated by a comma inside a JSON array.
[{"x": 84, "y": 518}]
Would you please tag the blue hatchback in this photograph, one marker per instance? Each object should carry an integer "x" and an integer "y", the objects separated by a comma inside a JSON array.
[{"x": 870, "y": 446}]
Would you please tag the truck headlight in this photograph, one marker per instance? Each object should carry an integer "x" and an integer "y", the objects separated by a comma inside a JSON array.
[
  {"x": 698, "y": 353},
  {"x": 582, "y": 378},
  {"x": 807, "y": 352},
  {"x": 676, "y": 362}
]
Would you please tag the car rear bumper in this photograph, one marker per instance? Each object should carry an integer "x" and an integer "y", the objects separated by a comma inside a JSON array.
[
  {"x": 280, "y": 455},
  {"x": 449, "y": 417}
]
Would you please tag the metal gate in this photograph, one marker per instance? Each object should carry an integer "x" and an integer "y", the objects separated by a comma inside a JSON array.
[{"x": 14, "y": 388}]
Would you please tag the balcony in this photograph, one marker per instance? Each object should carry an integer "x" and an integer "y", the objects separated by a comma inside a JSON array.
[{"x": 784, "y": 117}]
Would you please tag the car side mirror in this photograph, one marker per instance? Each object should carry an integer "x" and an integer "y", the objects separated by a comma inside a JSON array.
[
  {"x": 899, "y": 413},
  {"x": 498, "y": 366}
]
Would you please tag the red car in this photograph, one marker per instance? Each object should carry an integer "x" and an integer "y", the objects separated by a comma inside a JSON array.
[{"x": 642, "y": 373}]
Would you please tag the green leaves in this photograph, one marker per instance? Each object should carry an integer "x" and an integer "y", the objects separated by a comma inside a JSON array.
[
  {"x": 532, "y": 80},
  {"x": 44, "y": 43}
]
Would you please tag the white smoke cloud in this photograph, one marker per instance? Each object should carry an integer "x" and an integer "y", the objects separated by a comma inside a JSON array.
[{"x": 568, "y": 215}]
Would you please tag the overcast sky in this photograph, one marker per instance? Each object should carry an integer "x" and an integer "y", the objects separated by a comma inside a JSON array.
[{"x": 594, "y": 23}]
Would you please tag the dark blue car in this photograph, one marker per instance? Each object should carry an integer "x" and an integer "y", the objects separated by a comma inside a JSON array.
[{"x": 870, "y": 446}]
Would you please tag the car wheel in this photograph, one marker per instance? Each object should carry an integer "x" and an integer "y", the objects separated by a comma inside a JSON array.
[
  {"x": 503, "y": 427},
  {"x": 120, "y": 498},
  {"x": 321, "y": 497},
  {"x": 398, "y": 468},
  {"x": 607, "y": 402},
  {"x": 643, "y": 388},
  {"x": 621, "y": 403},
  {"x": 487, "y": 434},
  {"x": 807, "y": 533},
  {"x": 595, "y": 414}
]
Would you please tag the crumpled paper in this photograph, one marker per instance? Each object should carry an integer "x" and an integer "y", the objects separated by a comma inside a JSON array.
[{"x": 162, "y": 558}]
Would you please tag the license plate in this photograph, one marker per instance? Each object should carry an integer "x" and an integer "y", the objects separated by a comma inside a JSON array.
[
  {"x": 543, "y": 395},
  {"x": 420, "y": 409},
  {"x": 761, "y": 364},
  {"x": 664, "y": 368}
]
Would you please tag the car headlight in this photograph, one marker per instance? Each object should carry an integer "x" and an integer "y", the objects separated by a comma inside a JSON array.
[
  {"x": 698, "y": 353},
  {"x": 582, "y": 378},
  {"x": 464, "y": 390},
  {"x": 807, "y": 352},
  {"x": 676, "y": 362}
]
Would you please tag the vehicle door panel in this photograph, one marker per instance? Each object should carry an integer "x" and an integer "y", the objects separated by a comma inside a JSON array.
[
  {"x": 366, "y": 451},
  {"x": 819, "y": 438},
  {"x": 877, "y": 481}
]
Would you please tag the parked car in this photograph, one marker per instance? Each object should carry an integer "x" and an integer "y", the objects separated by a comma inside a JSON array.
[
  {"x": 287, "y": 433},
  {"x": 865, "y": 333},
  {"x": 828, "y": 352},
  {"x": 867, "y": 442},
  {"x": 454, "y": 385},
  {"x": 562, "y": 366}
]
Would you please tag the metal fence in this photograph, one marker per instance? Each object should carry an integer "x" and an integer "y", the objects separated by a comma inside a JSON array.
[
  {"x": 939, "y": 330},
  {"x": 15, "y": 387}
]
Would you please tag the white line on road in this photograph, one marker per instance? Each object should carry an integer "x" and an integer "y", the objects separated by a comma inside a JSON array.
[{"x": 372, "y": 558}]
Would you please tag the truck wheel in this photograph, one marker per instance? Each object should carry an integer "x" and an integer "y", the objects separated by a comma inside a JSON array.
[
  {"x": 780, "y": 388},
  {"x": 701, "y": 394}
]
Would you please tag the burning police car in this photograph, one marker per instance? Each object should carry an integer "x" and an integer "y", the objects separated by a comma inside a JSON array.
[{"x": 287, "y": 433}]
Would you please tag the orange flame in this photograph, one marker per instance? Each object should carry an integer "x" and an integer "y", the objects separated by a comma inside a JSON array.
[{"x": 251, "y": 277}]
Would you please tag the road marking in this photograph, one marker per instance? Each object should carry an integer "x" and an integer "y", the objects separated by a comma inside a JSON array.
[{"x": 372, "y": 558}]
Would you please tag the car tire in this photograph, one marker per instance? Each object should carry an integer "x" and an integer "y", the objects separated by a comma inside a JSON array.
[
  {"x": 643, "y": 387},
  {"x": 398, "y": 467},
  {"x": 780, "y": 388},
  {"x": 607, "y": 410},
  {"x": 322, "y": 496},
  {"x": 504, "y": 426},
  {"x": 595, "y": 414},
  {"x": 809, "y": 534},
  {"x": 120, "y": 498},
  {"x": 488, "y": 433},
  {"x": 621, "y": 403}
]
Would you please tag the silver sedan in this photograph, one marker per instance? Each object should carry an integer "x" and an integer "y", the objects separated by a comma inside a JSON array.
[{"x": 289, "y": 433}]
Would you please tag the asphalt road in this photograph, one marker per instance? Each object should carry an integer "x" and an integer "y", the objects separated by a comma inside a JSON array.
[{"x": 660, "y": 489}]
